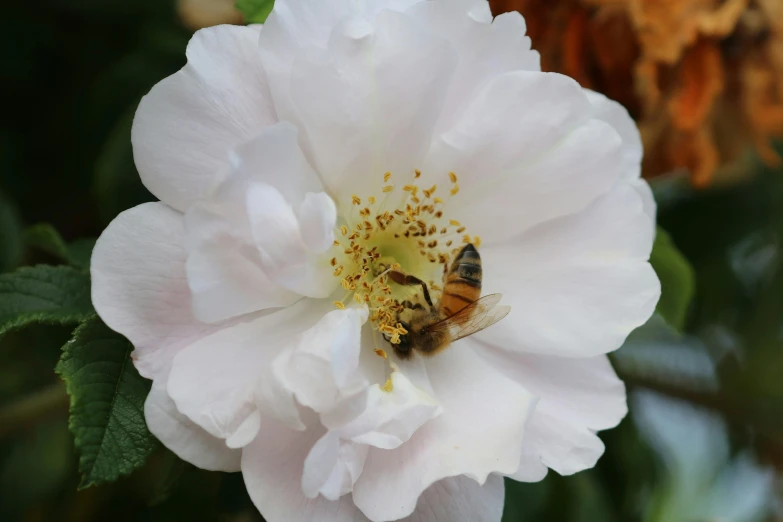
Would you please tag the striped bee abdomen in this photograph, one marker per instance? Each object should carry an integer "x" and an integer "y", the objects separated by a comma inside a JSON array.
[{"x": 462, "y": 284}]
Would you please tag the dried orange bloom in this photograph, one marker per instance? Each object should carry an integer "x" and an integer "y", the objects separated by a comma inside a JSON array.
[
  {"x": 703, "y": 78},
  {"x": 197, "y": 14}
]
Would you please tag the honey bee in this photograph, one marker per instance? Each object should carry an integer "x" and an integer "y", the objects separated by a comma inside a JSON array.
[{"x": 460, "y": 312}]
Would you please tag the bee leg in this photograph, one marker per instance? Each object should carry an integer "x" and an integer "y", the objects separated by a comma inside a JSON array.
[
  {"x": 412, "y": 306},
  {"x": 403, "y": 279}
]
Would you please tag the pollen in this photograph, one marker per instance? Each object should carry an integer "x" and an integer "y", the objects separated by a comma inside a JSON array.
[
  {"x": 389, "y": 386},
  {"x": 381, "y": 353},
  {"x": 404, "y": 224}
]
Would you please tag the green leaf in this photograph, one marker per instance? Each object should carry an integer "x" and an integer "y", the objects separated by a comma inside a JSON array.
[
  {"x": 45, "y": 238},
  {"x": 44, "y": 294},
  {"x": 10, "y": 235},
  {"x": 255, "y": 11},
  {"x": 677, "y": 280},
  {"x": 80, "y": 252},
  {"x": 107, "y": 403}
]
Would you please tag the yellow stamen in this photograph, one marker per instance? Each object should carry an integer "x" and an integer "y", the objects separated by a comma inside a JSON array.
[
  {"x": 389, "y": 386},
  {"x": 339, "y": 305},
  {"x": 453, "y": 177},
  {"x": 381, "y": 353},
  {"x": 386, "y": 177}
]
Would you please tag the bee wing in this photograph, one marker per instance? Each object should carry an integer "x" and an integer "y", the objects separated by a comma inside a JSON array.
[
  {"x": 479, "y": 322},
  {"x": 478, "y": 315}
]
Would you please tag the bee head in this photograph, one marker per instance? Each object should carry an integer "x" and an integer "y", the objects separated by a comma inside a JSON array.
[{"x": 405, "y": 340}]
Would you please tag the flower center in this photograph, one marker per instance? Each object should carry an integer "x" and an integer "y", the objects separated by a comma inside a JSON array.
[{"x": 402, "y": 230}]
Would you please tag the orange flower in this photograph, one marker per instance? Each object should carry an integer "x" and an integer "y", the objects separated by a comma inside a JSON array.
[
  {"x": 197, "y": 14},
  {"x": 703, "y": 78}
]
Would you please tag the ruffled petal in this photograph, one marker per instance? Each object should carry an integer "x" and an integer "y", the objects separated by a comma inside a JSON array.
[
  {"x": 525, "y": 151},
  {"x": 322, "y": 366},
  {"x": 284, "y": 254},
  {"x": 225, "y": 272},
  {"x": 473, "y": 437},
  {"x": 357, "y": 118},
  {"x": 186, "y": 126},
  {"x": 460, "y": 499},
  {"x": 186, "y": 439},
  {"x": 383, "y": 417},
  {"x": 577, "y": 398},
  {"x": 577, "y": 285},
  {"x": 487, "y": 48},
  {"x": 295, "y": 25},
  {"x": 214, "y": 382},
  {"x": 139, "y": 286},
  {"x": 617, "y": 116},
  {"x": 272, "y": 468},
  {"x": 332, "y": 467},
  {"x": 272, "y": 157},
  {"x": 317, "y": 219}
]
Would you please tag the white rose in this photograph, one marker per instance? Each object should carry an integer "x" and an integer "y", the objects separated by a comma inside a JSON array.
[{"x": 269, "y": 150}]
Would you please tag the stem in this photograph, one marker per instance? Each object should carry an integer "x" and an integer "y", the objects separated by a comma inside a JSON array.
[{"x": 32, "y": 408}]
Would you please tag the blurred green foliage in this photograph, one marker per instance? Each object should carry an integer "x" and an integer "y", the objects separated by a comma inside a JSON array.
[
  {"x": 255, "y": 11},
  {"x": 74, "y": 72}
]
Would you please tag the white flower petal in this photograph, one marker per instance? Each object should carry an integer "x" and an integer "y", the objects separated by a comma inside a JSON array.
[
  {"x": 214, "y": 382},
  {"x": 383, "y": 419},
  {"x": 272, "y": 157},
  {"x": 225, "y": 272},
  {"x": 272, "y": 468},
  {"x": 617, "y": 116},
  {"x": 479, "y": 433},
  {"x": 577, "y": 285},
  {"x": 139, "y": 287},
  {"x": 577, "y": 398},
  {"x": 317, "y": 219},
  {"x": 322, "y": 366},
  {"x": 246, "y": 432},
  {"x": 460, "y": 499},
  {"x": 284, "y": 255},
  {"x": 525, "y": 151},
  {"x": 332, "y": 467},
  {"x": 186, "y": 439},
  {"x": 368, "y": 103},
  {"x": 487, "y": 48},
  {"x": 562, "y": 446},
  {"x": 187, "y": 124},
  {"x": 295, "y": 25}
]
